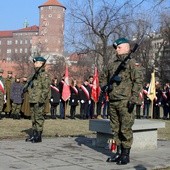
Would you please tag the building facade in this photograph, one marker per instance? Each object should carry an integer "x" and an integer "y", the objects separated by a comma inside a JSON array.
[{"x": 46, "y": 39}]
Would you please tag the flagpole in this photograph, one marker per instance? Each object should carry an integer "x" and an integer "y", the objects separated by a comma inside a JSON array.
[{"x": 151, "y": 109}]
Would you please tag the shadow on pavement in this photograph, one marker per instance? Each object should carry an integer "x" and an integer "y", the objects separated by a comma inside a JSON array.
[{"x": 90, "y": 142}]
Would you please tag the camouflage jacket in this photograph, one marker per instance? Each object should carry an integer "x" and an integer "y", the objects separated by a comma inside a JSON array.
[
  {"x": 131, "y": 81},
  {"x": 40, "y": 88}
]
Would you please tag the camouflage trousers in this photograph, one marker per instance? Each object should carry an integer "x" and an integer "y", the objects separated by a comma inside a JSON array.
[
  {"x": 37, "y": 116},
  {"x": 121, "y": 122},
  {"x": 16, "y": 108}
]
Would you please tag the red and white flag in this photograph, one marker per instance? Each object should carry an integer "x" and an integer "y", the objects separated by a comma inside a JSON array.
[
  {"x": 66, "y": 87},
  {"x": 2, "y": 87},
  {"x": 95, "y": 88}
]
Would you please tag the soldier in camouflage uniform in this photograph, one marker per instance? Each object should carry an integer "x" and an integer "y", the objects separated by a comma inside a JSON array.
[
  {"x": 2, "y": 92},
  {"x": 38, "y": 93},
  {"x": 122, "y": 99}
]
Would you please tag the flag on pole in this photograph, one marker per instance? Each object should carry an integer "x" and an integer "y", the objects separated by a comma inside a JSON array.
[
  {"x": 66, "y": 88},
  {"x": 152, "y": 90},
  {"x": 95, "y": 88}
]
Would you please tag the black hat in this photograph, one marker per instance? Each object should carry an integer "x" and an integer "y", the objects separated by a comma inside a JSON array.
[
  {"x": 39, "y": 58},
  {"x": 120, "y": 41}
]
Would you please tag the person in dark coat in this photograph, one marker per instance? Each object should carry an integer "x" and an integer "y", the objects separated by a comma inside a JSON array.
[
  {"x": 25, "y": 108},
  {"x": 157, "y": 101},
  {"x": 91, "y": 102},
  {"x": 73, "y": 102},
  {"x": 16, "y": 97},
  {"x": 55, "y": 98},
  {"x": 63, "y": 104},
  {"x": 164, "y": 102},
  {"x": 146, "y": 100},
  {"x": 84, "y": 96}
]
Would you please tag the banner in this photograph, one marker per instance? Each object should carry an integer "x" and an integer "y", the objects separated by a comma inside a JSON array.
[
  {"x": 66, "y": 87},
  {"x": 152, "y": 90},
  {"x": 95, "y": 88}
]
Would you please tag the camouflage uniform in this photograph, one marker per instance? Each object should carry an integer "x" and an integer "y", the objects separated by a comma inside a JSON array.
[
  {"x": 38, "y": 89},
  {"x": 38, "y": 94},
  {"x": 122, "y": 101},
  {"x": 128, "y": 90}
]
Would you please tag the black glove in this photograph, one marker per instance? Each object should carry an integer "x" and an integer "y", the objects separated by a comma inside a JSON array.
[
  {"x": 40, "y": 104},
  {"x": 130, "y": 106},
  {"x": 107, "y": 88}
]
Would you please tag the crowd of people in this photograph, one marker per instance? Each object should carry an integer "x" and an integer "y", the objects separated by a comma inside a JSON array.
[
  {"x": 145, "y": 108},
  {"x": 39, "y": 95},
  {"x": 14, "y": 103}
]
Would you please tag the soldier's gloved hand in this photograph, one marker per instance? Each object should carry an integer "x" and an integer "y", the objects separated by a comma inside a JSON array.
[
  {"x": 130, "y": 106},
  {"x": 40, "y": 104}
]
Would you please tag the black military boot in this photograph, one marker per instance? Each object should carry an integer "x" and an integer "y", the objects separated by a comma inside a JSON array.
[
  {"x": 37, "y": 137},
  {"x": 124, "y": 158},
  {"x": 31, "y": 137},
  {"x": 55, "y": 113},
  {"x": 116, "y": 156}
]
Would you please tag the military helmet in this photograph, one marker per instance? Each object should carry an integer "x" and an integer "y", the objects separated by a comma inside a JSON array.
[
  {"x": 39, "y": 58},
  {"x": 120, "y": 41}
]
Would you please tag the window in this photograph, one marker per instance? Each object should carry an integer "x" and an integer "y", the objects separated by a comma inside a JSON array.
[
  {"x": 26, "y": 42},
  {"x": 8, "y": 51},
  {"x": 26, "y": 50},
  {"x": 16, "y": 41},
  {"x": 9, "y": 42},
  {"x": 20, "y": 50},
  {"x": 16, "y": 50},
  {"x": 20, "y": 41},
  {"x": 0, "y": 42}
]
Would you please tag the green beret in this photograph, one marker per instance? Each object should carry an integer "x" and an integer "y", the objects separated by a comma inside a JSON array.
[
  {"x": 1, "y": 70},
  {"x": 39, "y": 58},
  {"x": 120, "y": 41}
]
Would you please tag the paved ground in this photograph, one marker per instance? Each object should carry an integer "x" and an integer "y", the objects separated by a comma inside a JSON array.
[{"x": 76, "y": 153}]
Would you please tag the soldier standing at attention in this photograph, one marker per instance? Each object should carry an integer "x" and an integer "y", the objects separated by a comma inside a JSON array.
[
  {"x": 38, "y": 90},
  {"x": 122, "y": 100},
  {"x": 2, "y": 92},
  {"x": 8, "y": 105}
]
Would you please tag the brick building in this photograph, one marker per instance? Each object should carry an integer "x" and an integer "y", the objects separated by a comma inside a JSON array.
[{"x": 46, "y": 39}]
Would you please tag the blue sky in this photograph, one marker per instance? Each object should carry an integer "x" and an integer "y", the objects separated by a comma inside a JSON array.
[{"x": 14, "y": 12}]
